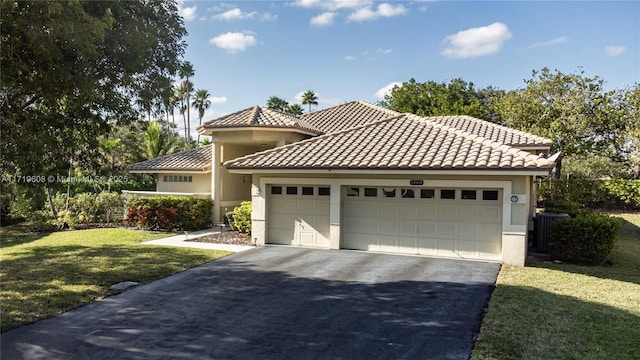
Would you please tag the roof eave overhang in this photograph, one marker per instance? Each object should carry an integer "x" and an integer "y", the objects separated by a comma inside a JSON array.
[
  {"x": 169, "y": 171},
  {"x": 209, "y": 131},
  {"x": 518, "y": 172}
]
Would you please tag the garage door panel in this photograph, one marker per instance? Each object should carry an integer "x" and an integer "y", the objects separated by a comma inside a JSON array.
[
  {"x": 491, "y": 215},
  {"x": 448, "y": 212},
  {"x": 298, "y": 218},
  {"x": 281, "y": 236},
  {"x": 469, "y": 228},
  {"x": 407, "y": 245},
  {"x": 446, "y": 230}
]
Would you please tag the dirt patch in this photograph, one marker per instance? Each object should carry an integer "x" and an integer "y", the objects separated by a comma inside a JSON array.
[{"x": 226, "y": 237}]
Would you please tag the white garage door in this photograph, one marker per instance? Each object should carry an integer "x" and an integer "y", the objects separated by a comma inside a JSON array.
[
  {"x": 448, "y": 222},
  {"x": 299, "y": 215}
]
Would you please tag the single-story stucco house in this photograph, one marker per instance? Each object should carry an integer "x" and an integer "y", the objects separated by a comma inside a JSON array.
[{"x": 359, "y": 176}]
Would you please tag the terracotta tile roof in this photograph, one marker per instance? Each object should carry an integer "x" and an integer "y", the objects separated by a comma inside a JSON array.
[
  {"x": 257, "y": 116},
  {"x": 346, "y": 116},
  {"x": 406, "y": 142},
  {"x": 495, "y": 132},
  {"x": 198, "y": 159}
]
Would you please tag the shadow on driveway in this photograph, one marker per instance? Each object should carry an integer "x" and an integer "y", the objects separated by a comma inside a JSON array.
[{"x": 278, "y": 303}]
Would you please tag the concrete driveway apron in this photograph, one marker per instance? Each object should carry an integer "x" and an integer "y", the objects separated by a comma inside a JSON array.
[{"x": 278, "y": 302}]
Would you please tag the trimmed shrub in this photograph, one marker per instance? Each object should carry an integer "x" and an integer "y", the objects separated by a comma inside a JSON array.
[
  {"x": 585, "y": 239},
  {"x": 566, "y": 207},
  {"x": 242, "y": 217},
  {"x": 88, "y": 208},
  {"x": 169, "y": 213}
]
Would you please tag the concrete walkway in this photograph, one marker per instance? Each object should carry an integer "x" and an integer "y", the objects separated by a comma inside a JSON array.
[{"x": 181, "y": 241}]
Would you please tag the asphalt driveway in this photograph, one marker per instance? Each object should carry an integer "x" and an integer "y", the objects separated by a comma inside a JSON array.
[{"x": 278, "y": 303}]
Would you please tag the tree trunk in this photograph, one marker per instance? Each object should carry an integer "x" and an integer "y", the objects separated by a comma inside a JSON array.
[
  {"x": 559, "y": 167},
  {"x": 50, "y": 200}
]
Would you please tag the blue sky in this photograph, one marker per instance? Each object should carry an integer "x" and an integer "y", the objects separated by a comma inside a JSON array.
[{"x": 244, "y": 52}]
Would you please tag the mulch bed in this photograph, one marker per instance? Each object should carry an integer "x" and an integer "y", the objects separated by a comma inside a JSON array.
[{"x": 226, "y": 237}]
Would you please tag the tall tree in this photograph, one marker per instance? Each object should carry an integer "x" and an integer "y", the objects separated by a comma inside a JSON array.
[
  {"x": 186, "y": 71},
  {"x": 294, "y": 109},
  {"x": 276, "y": 103},
  {"x": 71, "y": 70},
  {"x": 202, "y": 103},
  {"x": 431, "y": 98},
  {"x": 572, "y": 109},
  {"x": 309, "y": 97},
  {"x": 180, "y": 95}
]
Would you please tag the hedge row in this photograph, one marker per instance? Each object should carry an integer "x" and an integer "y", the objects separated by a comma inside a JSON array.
[
  {"x": 594, "y": 194},
  {"x": 169, "y": 213}
]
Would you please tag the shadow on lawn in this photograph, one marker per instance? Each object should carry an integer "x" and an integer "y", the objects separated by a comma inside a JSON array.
[
  {"x": 11, "y": 236},
  {"x": 40, "y": 279},
  {"x": 557, "y": 327}
]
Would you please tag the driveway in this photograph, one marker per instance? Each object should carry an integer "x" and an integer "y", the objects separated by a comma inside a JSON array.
[{"x": 278, "y": 302}]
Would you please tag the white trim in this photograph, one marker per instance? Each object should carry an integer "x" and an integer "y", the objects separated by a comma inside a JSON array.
[
  {"x": 259, "y": 128},
  {"x": 170, "y": 171},
  {"x": 502, "y": 172},
  {"x": 164, "y": 193}
]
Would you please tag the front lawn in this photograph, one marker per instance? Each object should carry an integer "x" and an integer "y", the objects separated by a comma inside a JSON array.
[
  {"x": 45, "y": 275},
  {"x": 561, "y": 311}
]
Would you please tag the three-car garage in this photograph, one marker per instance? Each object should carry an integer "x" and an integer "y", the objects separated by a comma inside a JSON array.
[{"x": 442, "y": 221}]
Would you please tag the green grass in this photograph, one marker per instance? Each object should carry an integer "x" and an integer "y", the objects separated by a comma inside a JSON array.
[
  {"x": 45, "y": 275},
  {"x": 562, "y": 311}
]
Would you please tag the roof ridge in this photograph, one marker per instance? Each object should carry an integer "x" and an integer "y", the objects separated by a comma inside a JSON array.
[
  {"x": 476, "y": 120},
  {"x": 473, "y": 137},
  {"x": 317, "y": 138}
]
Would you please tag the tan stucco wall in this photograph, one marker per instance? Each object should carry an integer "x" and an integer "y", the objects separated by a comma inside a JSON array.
[{"x": 201, "y": 184}]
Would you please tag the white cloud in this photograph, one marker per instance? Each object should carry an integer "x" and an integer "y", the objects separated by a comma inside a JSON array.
[
  {"x": 349, "y": 58},
  {"x": 218, "y": 99},
  {"x": 188, "y": 13},
  {"x": 614, "y": 50},
  {"x": 234, "y": 42},
  {"x": 475, "y": 42},
  {"x": 333, "y": 5},
  {"x": 324, "y": 19},
  {"x": 383, "y": 10},
  {"x": 237, "y": 14},
  {"x": 385, "y": 90},
  {"x": 384, "y": 51},
  {"x": 552, "y": 42}
]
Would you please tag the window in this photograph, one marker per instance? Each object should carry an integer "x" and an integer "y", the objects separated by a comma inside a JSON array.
[
  {"x": 276, "y": 190},
  {"x": 490, "y": 195},
  {"x": 324, "y": 191},
  {"x": 178, "y": 178},
  {"x": 389, "y": 192},
  {"x": 468, "y": 194},
  {"x": 427, "y": 193},
  {"x": 307, "y": 190},
  {"x": 370, "y": 192},
  {"x": 292, "y": 190},
  {"x": 407, "y": 194},
  {"x": 447, "y": 194}
]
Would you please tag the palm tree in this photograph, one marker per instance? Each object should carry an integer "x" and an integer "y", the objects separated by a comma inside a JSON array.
[
  {"x": 180, "y": 94},
  {"x": 309, "y": 97},
  {"x": 202, "y": 103},
  {"x": 158, "y": 140},
  {"x": 294, "y": 109},
  {"x": 276, "y": 103},
  {"x": 186, "y": 70}
]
